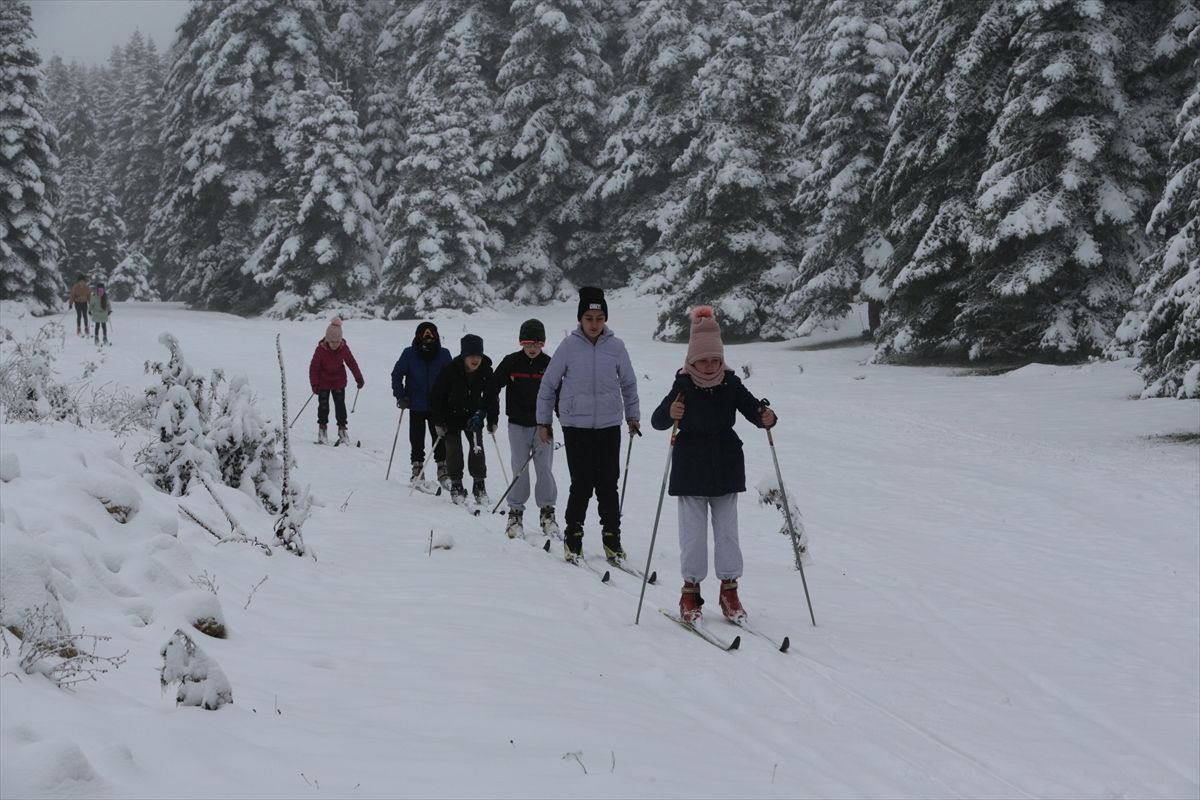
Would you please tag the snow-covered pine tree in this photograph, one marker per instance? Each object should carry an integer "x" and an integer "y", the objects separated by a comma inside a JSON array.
[
  {"x": 237, "y": 65},
  {"x": 845, "y": 133},
  {"x": 944, "y": 103},
  {"x": 383, "y": 130},
  {"x": 1063, "y": 191},
  {"x": 650, "y": 120},
  {"x": 29, "y": 246},
  {"x": 354, "y": 28},
  {"x": 323, "y": 249},
  {"x": 105, "y": 240},
  {"x": 441, "y": 247},
  {"x": 734, "y": 233},
  {"x": 181, "y": 446},
  {"x": 130, "y": 279},
  {"x": 553, "y": 83},
  {"x": 1170, "y": 335},
  {"x": 247, "y": 446}
]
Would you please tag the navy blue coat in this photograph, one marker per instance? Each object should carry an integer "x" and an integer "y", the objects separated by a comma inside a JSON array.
[
  {"x": 413, "y": 376},
  {"x": 707, "y": 460}
]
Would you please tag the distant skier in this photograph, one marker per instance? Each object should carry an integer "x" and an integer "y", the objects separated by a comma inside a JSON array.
[
  {"x": 327, "y": 376},
  {"x": 101, "y": 309},
  {"x": 592, "y": 379},
  {"x": 81, "y": 295},
  {"x": 457, "y": 406},
  {"x": 519, "y": 374},
  {"x": 708, "y": 468},
  {"x": 412, "y": 380}
]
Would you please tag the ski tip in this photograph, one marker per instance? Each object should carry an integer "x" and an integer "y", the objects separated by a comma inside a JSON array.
[
  {"x": 653, "y": 577},
  {"x": 735, "y": 644},
  {"x": 783, "y": 648},
  {"x": 546, "y": 546}
]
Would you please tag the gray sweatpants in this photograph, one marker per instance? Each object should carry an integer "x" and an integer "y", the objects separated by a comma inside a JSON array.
[
  {"x": 693, "y": 537},
  {"x": 520, "y": 439}
]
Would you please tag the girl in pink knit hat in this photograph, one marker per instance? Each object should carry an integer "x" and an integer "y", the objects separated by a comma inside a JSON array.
[
  {"x": 327, "y": 376},
  {"x": 708, "y": 469}
]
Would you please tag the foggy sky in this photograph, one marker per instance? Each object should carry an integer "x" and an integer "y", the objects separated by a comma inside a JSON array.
[{"x": 87, "y": 30}]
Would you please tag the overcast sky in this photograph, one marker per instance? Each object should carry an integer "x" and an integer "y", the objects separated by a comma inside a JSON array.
[{"x": 86, "y": 30}]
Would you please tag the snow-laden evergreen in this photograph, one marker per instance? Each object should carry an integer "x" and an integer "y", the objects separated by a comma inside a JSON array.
[
  {"x": 844, "y": 136},
  {"x": 105, "y": 237},
  {"x": 182, "y": 447},
  {"x": 323, "y": 250},
  {"x": 247, "y": 446},
  {"x": 29, "y": 243},
  {"x": 441, "y": 246},
  {"x": 734, "y": 244},
  {"x": 553, "y": 83},
  {"x": 130, "y": 279}
]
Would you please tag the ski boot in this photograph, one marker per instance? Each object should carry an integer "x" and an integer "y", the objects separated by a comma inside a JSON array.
[
  {"x": 549, "y": 525},
  {"x": 573, "y": 543},
  {"x": 322, "y": 435},
  {"x": 418, "y": 472},
  {"x": 612, "y": 545},
  {"x": 343, "y": 436},
  {"x": 515, "y": 528},
  {"x": 731, "y": 606},
  {"x": 443, "y": 476},
  {"x": 479, "y": 491},
  {"x": 458, "y": 494},
  {"x": 690, "y": 602}
]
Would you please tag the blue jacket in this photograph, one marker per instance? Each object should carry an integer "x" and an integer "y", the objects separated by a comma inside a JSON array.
[
  {"x": 707, "y": 460},
  {"x": 413, "y": 376},
  {"x": 595, "y": 383}
]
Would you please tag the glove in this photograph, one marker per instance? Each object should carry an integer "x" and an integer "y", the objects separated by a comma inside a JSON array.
[
  {"x": 492, "y": 428},
  {"x": 475, "y": 422},
  {"x": 440, "y": 430},
  {"x": 401, "y": 402},
  {"x": 635, "y": 427},
  {"x": 361, "y": 384}
]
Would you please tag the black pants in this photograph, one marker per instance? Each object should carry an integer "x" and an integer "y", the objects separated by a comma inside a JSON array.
[
  {"x": 454, "y": 455},
  {"x": 594, "y": 461},
  {"x": 81, "y": 316},
  {"x": 339, "y": 407},
  {"x": 418, "y": 423},
  {"x": 101, "y": 326}
]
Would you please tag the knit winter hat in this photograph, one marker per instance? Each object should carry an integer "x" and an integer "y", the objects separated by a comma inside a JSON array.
[
  {"x": 705, "y": 341},
  {"x": 590, "y": 299},
  {"x": 471, "y": 345},
  {"x": 333, "y": 334},
  {"x": 532, "y": 330}
]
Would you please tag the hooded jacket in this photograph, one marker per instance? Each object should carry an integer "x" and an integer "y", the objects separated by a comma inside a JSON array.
[
  {"x": 458, "y": 394},
  {"x": 415, "y": 371},
  {"x": 595, "y": 383},
  {"x": 327, "y": 370}
]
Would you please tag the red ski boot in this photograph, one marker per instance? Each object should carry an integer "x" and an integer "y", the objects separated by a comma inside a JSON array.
[
  {"x": 690, "y": 602},
  {"x": 731, "y": 606}
]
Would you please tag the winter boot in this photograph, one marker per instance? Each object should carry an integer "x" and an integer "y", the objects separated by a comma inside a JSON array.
[
  {"x": 549, "y": 525},
  {"x": 612, "y": 545},
  {"x": 515, "y": 528},
  {"x": 443, "y": 476},
  {"x": 343, "y": 436},
  {"x": 418, "y": 473},
  {"x": 731, "y": 606},
  {"x": 690, "y": 602},
  {"x": 322, "y": 435},
  {"x": 458, "y": 494},
  {"x": 573, "y": 542},
  {"x": 480, "y": 493}
]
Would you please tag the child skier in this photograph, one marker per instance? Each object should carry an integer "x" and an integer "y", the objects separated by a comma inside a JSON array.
[
  {"x": 327, "y": 375},
  {"x": 457, "y": 405},
  {"x": 412, "y": 380},
  {"x": 101, "y": 309},
  {"x": 81, "y": 295},
  {"x": 708, "y": 468},
  {"x": 520, "y": 375},
  {"x": 591, "y": 382}
]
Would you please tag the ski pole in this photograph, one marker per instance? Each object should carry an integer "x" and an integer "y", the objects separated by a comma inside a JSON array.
[
  {"x": 394, "y": 440},
  {"x": 516, "y": 478},
  {"x": 425, "y": 463},
  {"x": 625, "y": 480},
  {"x": 657, "y": 514},
  {"x": 503, "y": 469},
  {"x": 787, "y": 513},
  {"x": 357, "y": 389},
  {"x": 306, "y": 402}
]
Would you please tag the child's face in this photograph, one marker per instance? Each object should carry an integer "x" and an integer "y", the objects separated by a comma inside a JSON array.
[
  {"x": 708, "y": 366},
  {"x": 334, "y": 345},
  {"x": 531, "y": 348},
  {"x": 472, "y": 362},
  {"x": 593, "y": 323}
]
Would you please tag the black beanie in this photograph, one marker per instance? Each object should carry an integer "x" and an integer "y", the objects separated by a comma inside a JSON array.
[
  {"x": 471, "y": 345},
  {"x": 532, "y": 330},
  {"x": 591, "y": 298}
]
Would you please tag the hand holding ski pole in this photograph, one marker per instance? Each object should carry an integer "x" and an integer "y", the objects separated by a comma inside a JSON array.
[{"x": 787, "y": 508}]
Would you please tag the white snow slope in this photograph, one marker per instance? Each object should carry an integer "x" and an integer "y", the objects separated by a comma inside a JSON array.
[{"x": 1005, "y": 574}]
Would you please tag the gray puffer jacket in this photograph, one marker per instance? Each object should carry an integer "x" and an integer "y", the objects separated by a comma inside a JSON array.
[{"x": 595, "y": 383}]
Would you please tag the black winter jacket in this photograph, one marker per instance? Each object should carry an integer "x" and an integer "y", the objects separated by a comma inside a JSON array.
[
  {"x": 457, "y": 395},
  {"x": 707, "y": 460},
  {"x": 520, "y": 376}
]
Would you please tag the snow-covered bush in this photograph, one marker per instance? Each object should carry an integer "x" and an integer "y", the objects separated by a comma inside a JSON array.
[
  {"x": 28, "y": 388},
  {"x": 182, "y": 445},
  {"x": 65, "y": 658},
  {"x": 248, "y": 446},
  {"x": 201, "y": 681}
]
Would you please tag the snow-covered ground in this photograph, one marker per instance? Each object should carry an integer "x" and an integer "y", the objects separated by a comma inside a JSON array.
[{"x": 1005, "y": 574}]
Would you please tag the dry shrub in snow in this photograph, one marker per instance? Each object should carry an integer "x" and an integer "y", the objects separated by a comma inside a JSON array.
[
  {"x": 201, "y": 681},
  {"x": 28, "y": 389},
  {"x": 770, "y": 495},
  {"x": 65, "y": 658}
]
